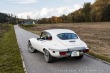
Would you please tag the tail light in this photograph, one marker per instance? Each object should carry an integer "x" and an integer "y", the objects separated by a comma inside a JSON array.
[
  {"x": 86, "y": 50},
  {"x": 63, "y": 53}
]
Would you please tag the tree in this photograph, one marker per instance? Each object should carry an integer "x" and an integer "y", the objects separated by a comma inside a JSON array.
[
  {"x": 100, "y": 11},
  {"x": 86, "y": 11},
  {"x": 78, "y": 16}
]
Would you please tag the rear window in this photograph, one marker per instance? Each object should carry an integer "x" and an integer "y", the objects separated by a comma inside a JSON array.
[{"x": 67, "y": 36}]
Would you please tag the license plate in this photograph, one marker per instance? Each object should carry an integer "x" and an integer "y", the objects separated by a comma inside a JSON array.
[{"x": 75, "y": 53}]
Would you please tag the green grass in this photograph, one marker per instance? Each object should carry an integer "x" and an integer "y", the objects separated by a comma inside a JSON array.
[
  {"x": 99, "y": 56},
  {"x": 10, "y": 59},
  {"x": 28, "y": 25},
  {"x": 3, "y": 28}
]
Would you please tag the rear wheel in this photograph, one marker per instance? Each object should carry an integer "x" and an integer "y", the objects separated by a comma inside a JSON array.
[
  {"x": 48, "y": 57},
  {"x": 30, "y": 48},
  {"x": 79, "y": 57}
]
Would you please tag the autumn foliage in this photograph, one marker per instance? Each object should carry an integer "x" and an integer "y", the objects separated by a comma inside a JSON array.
[{"x": 97, "y": 12}]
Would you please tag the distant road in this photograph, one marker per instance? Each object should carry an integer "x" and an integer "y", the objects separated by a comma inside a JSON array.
[{"x": 35, "y": 62}]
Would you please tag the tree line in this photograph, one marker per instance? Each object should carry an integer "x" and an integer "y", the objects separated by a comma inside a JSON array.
[
  {"x": 99, "y": 11},
  {"x": 13, "y": 19},
  {"x": 96, "y": 12},
  {"x": 8, "y": 18}
]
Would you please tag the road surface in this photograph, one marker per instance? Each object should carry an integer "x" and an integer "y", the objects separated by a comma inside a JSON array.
[{"x": 35, "y": 62}]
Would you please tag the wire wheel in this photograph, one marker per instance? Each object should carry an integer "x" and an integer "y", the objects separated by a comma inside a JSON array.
[{"x": 48, "y": 57}]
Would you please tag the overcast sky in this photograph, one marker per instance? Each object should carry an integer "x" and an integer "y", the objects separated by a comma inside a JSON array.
[{"x": 40, "y": 8}]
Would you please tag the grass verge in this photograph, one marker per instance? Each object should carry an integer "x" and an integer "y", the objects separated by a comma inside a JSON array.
[
  {"x": 10, "y": 59},
  {"x": 28, "y": 27},
  {"x": 99, "y": 56}
]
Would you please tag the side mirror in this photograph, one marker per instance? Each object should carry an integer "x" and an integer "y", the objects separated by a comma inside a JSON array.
[
  {"x": 38, "y": 38},
  {"x": 42, "y": 38}
]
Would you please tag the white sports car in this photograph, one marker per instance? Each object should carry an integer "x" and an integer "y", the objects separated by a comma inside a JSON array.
[{"x": 58, "y": 43}]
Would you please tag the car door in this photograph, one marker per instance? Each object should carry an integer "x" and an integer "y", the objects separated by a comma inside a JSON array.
[
  {"x": 43, "y": 41},
  {"x": 38, "y": 44}
]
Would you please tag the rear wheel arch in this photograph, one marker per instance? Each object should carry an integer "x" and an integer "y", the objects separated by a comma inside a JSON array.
[
  {"x": 44, "y": 49},
  {"x": 50, "y": 58}
]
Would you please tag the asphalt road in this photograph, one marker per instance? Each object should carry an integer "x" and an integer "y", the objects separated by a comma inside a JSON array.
[{"x": 35, "y": 62}]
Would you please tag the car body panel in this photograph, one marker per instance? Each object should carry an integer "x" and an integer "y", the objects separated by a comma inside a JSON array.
[{"x": 57, "y": 44}]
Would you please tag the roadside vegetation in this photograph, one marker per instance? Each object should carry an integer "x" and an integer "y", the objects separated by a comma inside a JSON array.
[
  {"x": 8, "y": 18},
  {"x": 10, "y": 59},
  {"x": 96, "y": 35}
]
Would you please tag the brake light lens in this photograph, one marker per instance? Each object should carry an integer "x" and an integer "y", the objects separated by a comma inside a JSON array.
[
  {"x": 86, "y": 50},
  {"x": 63, "y": 53}
]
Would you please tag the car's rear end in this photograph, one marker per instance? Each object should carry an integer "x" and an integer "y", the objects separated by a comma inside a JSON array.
[{"x": 69, "y": 52}]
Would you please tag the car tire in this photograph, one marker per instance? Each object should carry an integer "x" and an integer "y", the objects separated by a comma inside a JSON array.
[
  {"x": 48, "y": 57},
  {"x": 79, "y": 57},
  {"x": 30, "y": 48}
]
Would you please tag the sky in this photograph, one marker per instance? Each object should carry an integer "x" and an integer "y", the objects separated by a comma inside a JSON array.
[{"x": 41, "y": 8}]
